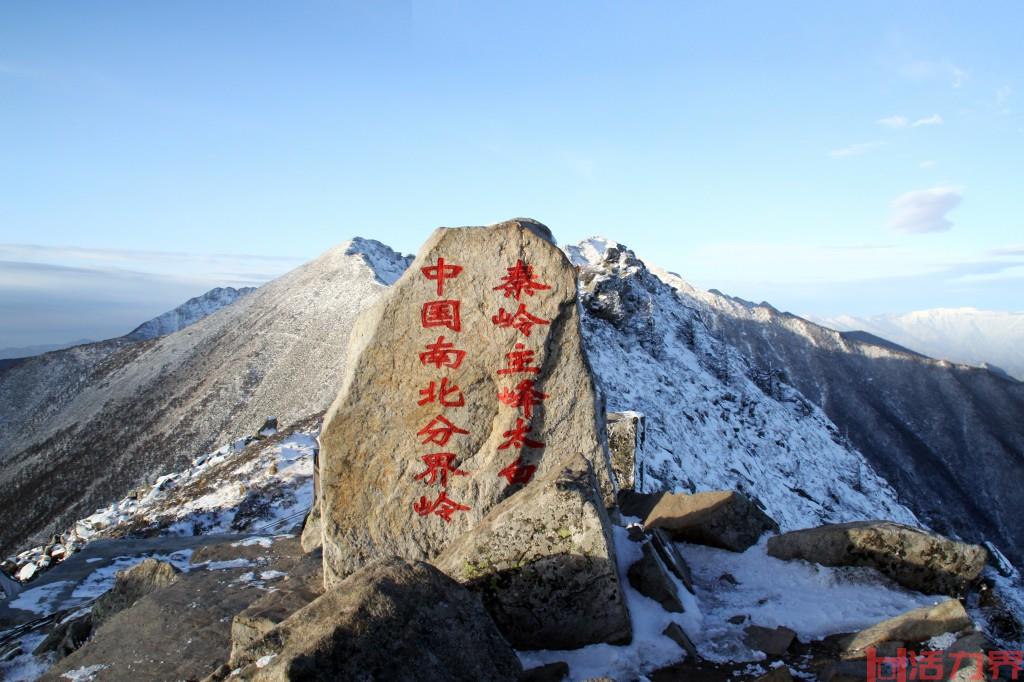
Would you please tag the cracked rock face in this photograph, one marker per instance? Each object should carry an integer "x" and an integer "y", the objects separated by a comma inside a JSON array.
[
  {"x": 467, "y": 381},
  {"x": 544, "y": 564}
]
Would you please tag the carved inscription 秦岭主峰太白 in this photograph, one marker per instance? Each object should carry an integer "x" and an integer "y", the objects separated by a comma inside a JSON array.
[{"x": 519, "y": 282}]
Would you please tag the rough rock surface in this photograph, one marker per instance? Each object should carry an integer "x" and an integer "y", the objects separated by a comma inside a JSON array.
[
  {"x": 914, "y": 558},
  {"x": 268, "y": 612},
  {"x": 131, "y": 585},
  {"x": 772, "y": 641},
  {"x": 392, "y": 620},
  {"x": 625, "y": 440},
  {"x": 724, "y": 519},
  {"x": 650, "y": 578},
  {"x": 463, "y": 383},
  {"x": 911, "y": 627},
  {"x": 544, "y": 564}
]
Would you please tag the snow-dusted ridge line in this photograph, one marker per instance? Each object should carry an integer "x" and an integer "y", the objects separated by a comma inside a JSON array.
[
  {"x": 712, "y": 422},
  {"x": 188, "y": 313}
]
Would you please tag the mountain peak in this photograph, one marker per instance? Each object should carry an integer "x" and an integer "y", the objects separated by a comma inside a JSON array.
[
  {"x": 189, "y": 312},
  {"x": 386, "y": 263}
]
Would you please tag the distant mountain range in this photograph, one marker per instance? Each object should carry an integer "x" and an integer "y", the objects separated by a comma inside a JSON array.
[
  {"x": 29, "y": 351},
  {"x": 967, "y": 335}
]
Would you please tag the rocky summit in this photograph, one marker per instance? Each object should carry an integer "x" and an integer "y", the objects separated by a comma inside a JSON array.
[
  {"x": 467, "y": 381},
  {"x": 539, "y": 464}
]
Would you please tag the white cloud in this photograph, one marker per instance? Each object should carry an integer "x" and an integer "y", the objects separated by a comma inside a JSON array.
[
  {"x": 897, "y": 121},
  {"x": 923, "y": 211},
  {"x": 855, "y": 149},
  {"x": 928, "y": 163},
  {"x": 894, "y": 121},
  {"x": 932, "y": 120}
]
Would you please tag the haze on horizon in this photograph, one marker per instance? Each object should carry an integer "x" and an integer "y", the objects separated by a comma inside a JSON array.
[{"x": 831, "y": 160}]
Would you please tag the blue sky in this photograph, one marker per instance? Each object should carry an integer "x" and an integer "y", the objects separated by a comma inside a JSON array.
[{"x": 859, "y": 159}]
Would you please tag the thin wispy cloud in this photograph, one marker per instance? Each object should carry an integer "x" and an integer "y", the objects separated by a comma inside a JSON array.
[
  {"x": 858, "y": 149},
  {"x": 896, "y": 122},
  {"x": 932, "y": 120},
  {"x": 924, "y": 211},
  {"x": 1011, "y": 250}
]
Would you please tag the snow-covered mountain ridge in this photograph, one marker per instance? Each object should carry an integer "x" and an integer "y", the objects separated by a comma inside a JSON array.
[
  {"x": 967, "y": 335},
  {"x": 712, "y": 423},
  {"x": 122, "y": 411},
  {"x": 948, "y": 437},
  {"x": 188, "y": 313}
]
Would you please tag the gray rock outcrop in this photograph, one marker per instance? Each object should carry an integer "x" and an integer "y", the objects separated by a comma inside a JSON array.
[
  {"x": 392, "y": 620},
  {"x": 911, "y": 627},
  {"x": 912, "y": 557},
  {"x": 625, "y": 440},
  {"x": 466, "y": 380},
  {"x": 544, "y": 564},
  {"x": 724, "y": 519}
]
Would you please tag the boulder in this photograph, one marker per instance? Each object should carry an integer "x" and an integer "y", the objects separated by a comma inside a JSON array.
[
  {"x": 625, "y": 440},
  {"x": 912, "y": 557},
  {"x": 268, "y": 612},
  {"x": 544, "y": 563},
  {"x": 66, "y": 636},
  {"x": 632, "y": 503},
  {"x": 650, "y": 578},
  {"x": 724, "y": 519},
  {"x": 392, "y": 620},
  {"x": 911, "y": 627},
  {"x": 772, "y": 641},
  {"x": 132, "y": 584},
  {"x": 550, "y": 672},
  {"x": 466, "y": 380}
]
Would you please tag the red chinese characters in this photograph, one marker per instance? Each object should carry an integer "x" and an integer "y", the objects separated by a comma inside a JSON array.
[
  {"x": 440, "y": 467},
  {"x": 524, "y": 395},
  {"x": 443, "y": 313},
  {"x": 520, "y": 280},
  {"x": 908, "y": 665},
  {"x": 517, "y": 437},
  {"x": 442, "y": 353},
  {"x": 442, "y": 506},
  {"x": 520, "y": 361},
  {"x": 439, "y": 431},
  {"x": 441, "y": 392},
  {"x": 440, "y": 272},
  {"x": 521, "y": 320},
  {"x": 517, "y": 472}
]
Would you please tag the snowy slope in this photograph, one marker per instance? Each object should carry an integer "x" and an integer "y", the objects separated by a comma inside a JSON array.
[
  {"x": 712, "y": 422},
  {"x": 965, "y": 335},
  {"x": 188, "y": 313},
  {"x": 80, "y": 428},
  {"x": 948, "y": 437}
]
